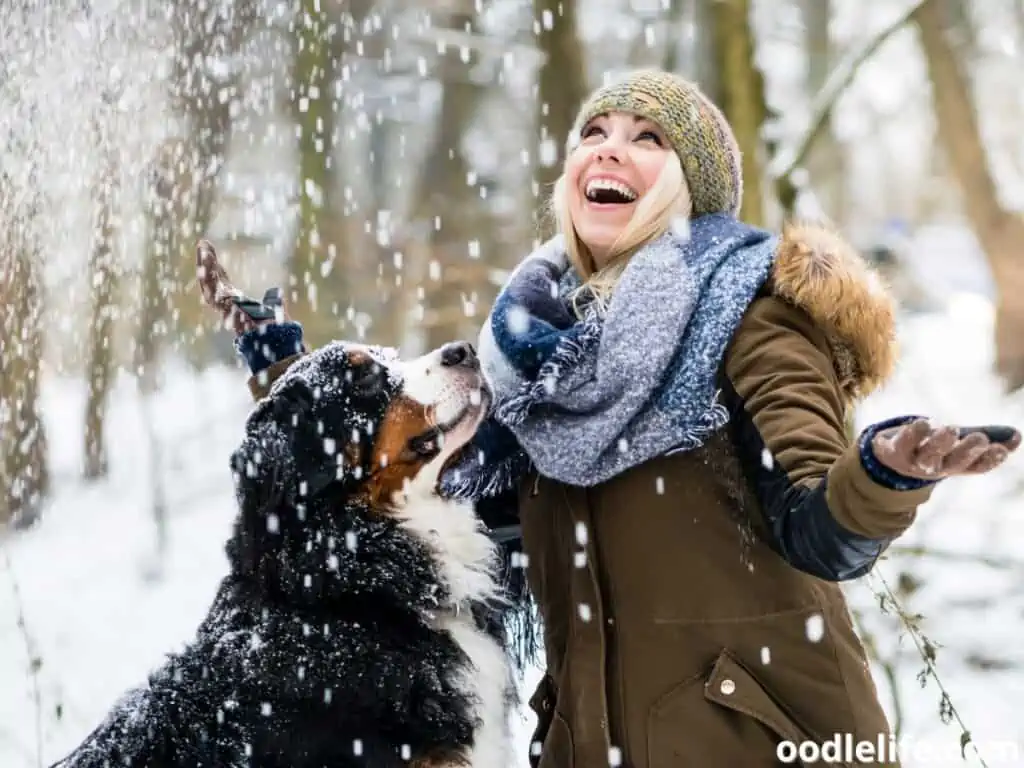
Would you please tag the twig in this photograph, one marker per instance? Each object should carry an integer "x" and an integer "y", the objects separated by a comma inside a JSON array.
[
  {"x": 927, "y": 650},
  {"x": 785, "y": 163},
  {"x": 34, "y": 661}
]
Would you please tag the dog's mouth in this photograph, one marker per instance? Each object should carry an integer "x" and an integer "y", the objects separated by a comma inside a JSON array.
[{"x": 456, "y": 430}]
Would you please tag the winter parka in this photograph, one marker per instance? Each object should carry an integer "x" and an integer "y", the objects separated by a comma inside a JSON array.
[{"x": 691, "y": 608}]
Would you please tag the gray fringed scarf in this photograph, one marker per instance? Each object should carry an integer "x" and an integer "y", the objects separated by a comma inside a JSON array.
[{"x": 587, "y": 399}]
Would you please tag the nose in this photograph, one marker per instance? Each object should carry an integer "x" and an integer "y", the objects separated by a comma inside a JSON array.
[
  {"x": 458, "y": 353},
  {"x": 612, "y": 148},
  {"x": 613, "y": 157}
]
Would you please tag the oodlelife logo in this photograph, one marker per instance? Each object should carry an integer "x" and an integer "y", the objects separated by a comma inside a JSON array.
[{"x": 844, "y": 748}]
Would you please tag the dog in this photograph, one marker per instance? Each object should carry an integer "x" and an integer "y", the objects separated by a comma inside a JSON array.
[{"x": 346, "y": 632}]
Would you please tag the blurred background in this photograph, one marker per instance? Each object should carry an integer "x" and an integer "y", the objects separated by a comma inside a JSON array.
[{"x": 386, "y": 163}]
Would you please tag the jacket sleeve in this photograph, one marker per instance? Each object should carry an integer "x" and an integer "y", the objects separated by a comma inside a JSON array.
[
  {"x": 269, "y": 350},
  {"x": 829, "y": 507}
]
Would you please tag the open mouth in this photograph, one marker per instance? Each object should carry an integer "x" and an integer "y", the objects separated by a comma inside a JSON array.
[
  {"x": 609, "y": 192},
  {"x": 479, "y": 400}
]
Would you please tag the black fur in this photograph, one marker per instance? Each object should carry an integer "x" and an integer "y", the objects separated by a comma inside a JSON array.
[{"x": 317, "y": 651}]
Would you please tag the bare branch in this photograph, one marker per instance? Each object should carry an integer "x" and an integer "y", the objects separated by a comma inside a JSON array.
[{"x": 786, "y": 162}]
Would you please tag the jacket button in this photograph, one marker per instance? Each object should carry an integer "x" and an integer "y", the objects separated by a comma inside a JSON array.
[{"x": 728, "y": 686}]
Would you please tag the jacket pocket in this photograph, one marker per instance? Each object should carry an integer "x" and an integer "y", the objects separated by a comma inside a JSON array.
[
  {"x": 551, "y": 743},
  {"x": 557, "y": 750},
  {"x": 724, "y": 717},
  {"x": 542, "y": 702}
]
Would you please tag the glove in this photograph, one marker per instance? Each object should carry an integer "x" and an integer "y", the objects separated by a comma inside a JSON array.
[
  {"x": 240, "y": 313},
  {"x": 924, "y": 451},
  {"x": 536, "y": 290}
]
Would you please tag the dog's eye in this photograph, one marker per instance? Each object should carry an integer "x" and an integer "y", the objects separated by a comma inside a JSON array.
[{"x": 426, "y": 445}]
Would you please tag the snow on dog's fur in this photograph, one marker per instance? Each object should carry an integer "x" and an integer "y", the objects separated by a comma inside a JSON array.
[{"x": 346, "y": 632}]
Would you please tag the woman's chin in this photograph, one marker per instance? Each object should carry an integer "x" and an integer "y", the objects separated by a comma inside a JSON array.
[{"x": 600, "y": 226}]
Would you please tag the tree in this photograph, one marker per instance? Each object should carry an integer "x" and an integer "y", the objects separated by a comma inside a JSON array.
[
  {"x": 705, "y": 59},
  {"x": 103, "y": 279},
  {"x": 24, "y": 475},
  {"x": 561, "y": 85},
  {"x": 742, "y": 96},
  {"x": 315, "y": 112},
  {"x": 999, "y": 230},
  {"x": 450, "y": 225},
  {"x": 206, "y": 38},
  {"x": 327, "y": 271},
  {"x": 826, "y": 160},
  {"x": 787, "y": 160}
]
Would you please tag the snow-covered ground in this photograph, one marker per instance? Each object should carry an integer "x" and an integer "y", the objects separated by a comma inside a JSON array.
[{"x": 98, "y": 613}]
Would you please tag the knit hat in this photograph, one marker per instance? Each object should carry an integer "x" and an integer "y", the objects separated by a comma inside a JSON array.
[{"x": 696, "y": 128}]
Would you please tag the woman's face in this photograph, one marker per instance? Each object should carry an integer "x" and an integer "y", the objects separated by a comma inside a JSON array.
[{"x": 618, "y": 159}]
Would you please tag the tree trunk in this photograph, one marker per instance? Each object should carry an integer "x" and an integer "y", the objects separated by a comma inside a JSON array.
[
  {"x": 562, "y": 85},
  {"x": 742, "y": 99},
  {"x": 103, "y": 287},
  {"x": 706, "y": 59},
  {"x": 450, "y": 221},
  {"x": 999, "y": 231},
  {"x": 325, "y": 272},
  {"x": 204, "y": 35},
  {"x": 163, "y": 245},
  {"x": 315, "y": 111},
  {"x": 24, "y": 475},
  {"x": 674, "y": 15},
  {"x": 826, "y": 160}
]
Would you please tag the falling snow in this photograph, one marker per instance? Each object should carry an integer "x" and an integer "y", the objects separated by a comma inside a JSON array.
[
  {"x": 815, "y": 628},
  {"x": 174, "y": 121}
]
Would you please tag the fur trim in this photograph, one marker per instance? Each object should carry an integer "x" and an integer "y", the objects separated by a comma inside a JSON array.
[{"x": 820, "y": 272}]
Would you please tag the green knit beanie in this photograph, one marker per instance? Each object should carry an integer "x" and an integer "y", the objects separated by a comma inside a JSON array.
[{"x": 697, "y": 130}]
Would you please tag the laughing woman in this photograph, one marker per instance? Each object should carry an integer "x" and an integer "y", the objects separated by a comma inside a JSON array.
[{"x": 671, "y": 393}]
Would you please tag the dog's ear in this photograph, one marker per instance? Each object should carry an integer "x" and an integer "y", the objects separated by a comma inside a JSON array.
[
  {"x": 262, "y": 465},
  {"x": 283, "y": 457}
]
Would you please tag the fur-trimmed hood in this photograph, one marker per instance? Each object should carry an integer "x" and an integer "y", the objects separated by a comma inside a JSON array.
[{"x": 817, "y": 270}]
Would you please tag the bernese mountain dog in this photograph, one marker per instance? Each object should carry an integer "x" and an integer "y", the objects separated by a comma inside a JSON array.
[{"x": 347, "y": 631}]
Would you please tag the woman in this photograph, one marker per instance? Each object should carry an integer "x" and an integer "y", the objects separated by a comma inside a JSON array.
[{"x": 672, "y": 392}]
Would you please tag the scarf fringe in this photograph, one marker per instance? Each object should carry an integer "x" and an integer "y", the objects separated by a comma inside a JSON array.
[
  {"x": 712, "y": 421},
  {"x": 568, "y": 353},
  {"x": 474, "y": 480},
  {"x": 514, "y": 619}
]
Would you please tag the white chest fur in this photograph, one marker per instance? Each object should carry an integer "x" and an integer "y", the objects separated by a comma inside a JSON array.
[
  {"x": 486, "y": 682},
  {"x": 466, "y": 558}
]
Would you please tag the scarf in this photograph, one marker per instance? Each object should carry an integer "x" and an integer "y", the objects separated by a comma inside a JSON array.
[{"x": 585, "y": 398}]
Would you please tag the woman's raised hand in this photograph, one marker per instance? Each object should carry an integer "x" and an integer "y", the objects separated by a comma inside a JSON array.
[{"x": 239, "y": 312}]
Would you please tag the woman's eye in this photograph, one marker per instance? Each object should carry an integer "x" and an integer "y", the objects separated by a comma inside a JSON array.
[
  {"x": 650, "y": 136},
  {"x": 591, "y": 130}
]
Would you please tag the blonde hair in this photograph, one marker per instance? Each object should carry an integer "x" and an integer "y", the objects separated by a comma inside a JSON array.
[{"x": 667, "y": 198}]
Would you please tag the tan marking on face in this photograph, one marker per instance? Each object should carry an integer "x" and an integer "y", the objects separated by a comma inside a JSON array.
[
  {"x": 394, "y": 464},
  {"x": 357, "y": 356}
]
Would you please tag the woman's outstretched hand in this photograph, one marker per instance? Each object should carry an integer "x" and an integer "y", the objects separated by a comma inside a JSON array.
[
  {"x": 239, "y": 313},
  {"x": 925, "y": 451}
]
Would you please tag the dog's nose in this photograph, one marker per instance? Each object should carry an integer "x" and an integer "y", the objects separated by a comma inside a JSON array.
[{"x": 458, "y": 353}]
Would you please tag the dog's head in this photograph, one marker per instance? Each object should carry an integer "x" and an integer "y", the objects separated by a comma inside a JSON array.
[{"x": 358, "y": 419}]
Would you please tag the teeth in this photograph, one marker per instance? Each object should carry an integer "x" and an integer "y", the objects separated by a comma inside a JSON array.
[{"x": 622, "y": 189}]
